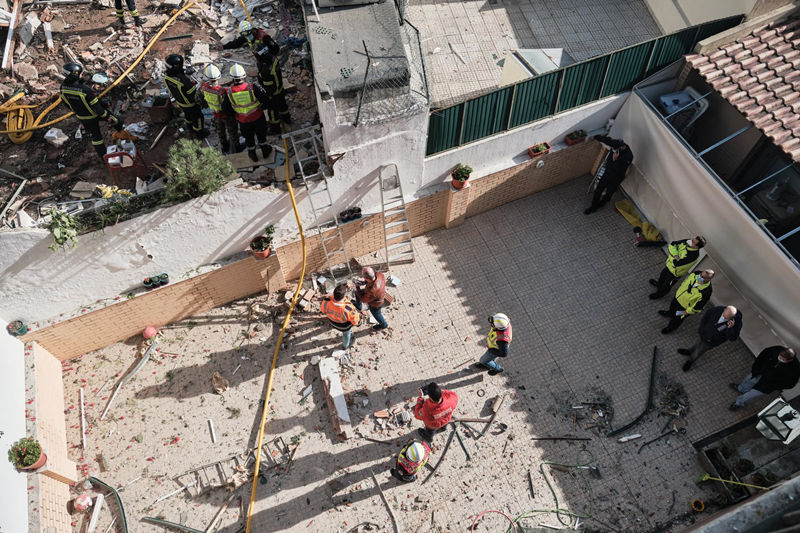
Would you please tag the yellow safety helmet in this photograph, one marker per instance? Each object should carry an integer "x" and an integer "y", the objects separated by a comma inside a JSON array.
[
  {"x": 212, "y": 72},
  {"x": 237, "y": 72},
  {"x": 500, "y": 321},
  {"x": 415, "y": 452}
]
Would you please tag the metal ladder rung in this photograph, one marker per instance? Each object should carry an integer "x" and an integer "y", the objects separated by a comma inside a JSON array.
[
  {"x": 394, "y": 223},
  {"x": 394, "y": 210},
  {"x": 399, "y": 244},
  {"x": 397, "y": 234},
  {"x": 402, "y": 256}
]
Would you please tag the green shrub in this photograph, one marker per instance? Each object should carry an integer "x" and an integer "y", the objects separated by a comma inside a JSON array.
[
  {"x": 24, "y": 452},
  {"x": 194, "y": 170},
  {"x": 462, "y": 172},
  {"x": 64, "y": 228}
]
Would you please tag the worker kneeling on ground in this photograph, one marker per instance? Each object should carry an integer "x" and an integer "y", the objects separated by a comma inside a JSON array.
[
  {"x": 435, "y": 411},
  {"x": 246, "y": 101},
  {"x": 86, "y": 105},
  {"x": 184, "y": 90},
  {"x": 410, "y": 460},
  {"x": 341, "y": 313},
  {"x": 211, "y": 95},
  {"x": 497, "y": 342}
]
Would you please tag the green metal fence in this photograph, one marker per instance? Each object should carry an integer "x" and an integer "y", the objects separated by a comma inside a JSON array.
[{"x": 563, "y": 89}]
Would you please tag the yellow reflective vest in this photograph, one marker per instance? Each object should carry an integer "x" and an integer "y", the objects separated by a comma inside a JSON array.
[
  {"x": 498, "y": 335},
  {"x": 693, "y": 297},
  {"x": 681, "y": 250}
]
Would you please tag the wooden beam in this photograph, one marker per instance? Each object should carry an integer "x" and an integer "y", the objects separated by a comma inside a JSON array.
[{"x": 8, "y": 51}]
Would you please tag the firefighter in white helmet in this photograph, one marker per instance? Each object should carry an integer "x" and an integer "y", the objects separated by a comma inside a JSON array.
[
  {"x": 410, "y": 460},
  {"x": 497, "y": 341},
  {"x": 211, "y": 95},
  {"x": 247, "y": 101},
  {"x": 252, "y": 37}
]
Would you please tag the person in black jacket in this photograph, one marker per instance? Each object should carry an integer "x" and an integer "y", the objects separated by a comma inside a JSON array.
[
  {"x": 717, "y": 325},
  {"x": 617, "y": 163},
  {"x": 775, "y": 369},
  {"x": 183, "y": 89}
]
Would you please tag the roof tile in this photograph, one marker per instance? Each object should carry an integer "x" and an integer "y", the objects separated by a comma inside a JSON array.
[{"x": 760, "y": 75}]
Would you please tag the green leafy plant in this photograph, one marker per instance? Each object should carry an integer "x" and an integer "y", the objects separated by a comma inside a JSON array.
[
  {"x": 577, "y": 134},
  {"x": 64, "y": 228},
  {"x": 194, "y": 170},
  {"x": 462, "y": 172},
  {"x": 262, "y": 242},
  {"x": 24, "y": 452},
  {"x": 541, "y": 147}
]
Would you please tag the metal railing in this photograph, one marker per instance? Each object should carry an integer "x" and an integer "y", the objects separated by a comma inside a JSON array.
[{"x": 563, "y": 89}]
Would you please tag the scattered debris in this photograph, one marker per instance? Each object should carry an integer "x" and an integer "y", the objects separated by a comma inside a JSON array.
[
  {"x": 219, "y": 383},
  {"x": 211, "y": 430}
]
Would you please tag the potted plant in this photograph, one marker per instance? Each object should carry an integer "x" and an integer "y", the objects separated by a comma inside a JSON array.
[
  {"x": 538, "y": 149},
  {"x": 261, "y": 244},
  {"x": 460, "y": 175},
  {"x": 17, "y": 328},
  {"x": 575, "y": 137},
  {"x": 27, "y": 454}
]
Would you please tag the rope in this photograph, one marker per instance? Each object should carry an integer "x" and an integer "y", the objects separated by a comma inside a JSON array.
[{"x": 36, "y": 124}]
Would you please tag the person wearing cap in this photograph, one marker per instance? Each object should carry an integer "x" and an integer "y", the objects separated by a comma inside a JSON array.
[
  {"x": 690, "y": 298},
  {"x": 435, "y": 411},
  {"x": 497, "y": 342},
  {"x": 410, "y": 460},
  {"x": 252, "y": 37},
  {"x": 372, "y": 291},
  {"x": 246, "y": 101},
  {"x": 184, "y": 91},
  {"x": 775, "y": 369},
  {"x": 682, "y": 257},
  {"x": 717, "y": 325},
  {"x": 82, "y": 101},
  {"x": 211, "y": 95},
  {"x": 341, "y": 313},
  {"x": 617, "y": 163}
]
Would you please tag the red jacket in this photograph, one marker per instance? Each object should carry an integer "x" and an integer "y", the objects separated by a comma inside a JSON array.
[
  {"x": 373, "y": 292},
  {"x": 436, "y": 415}
]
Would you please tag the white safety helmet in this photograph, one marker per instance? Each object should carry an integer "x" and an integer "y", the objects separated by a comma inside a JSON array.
[
  {"x": 237, "y": 72},
  {"x": 212, "y": 72},
  {"x": 245, "y": 26},
  {"x": 500, "y": 321},
  {"x": 416, "y": 452}
]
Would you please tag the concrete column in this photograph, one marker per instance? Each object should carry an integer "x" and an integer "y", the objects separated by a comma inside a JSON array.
[{"x": 457, "y": 202}]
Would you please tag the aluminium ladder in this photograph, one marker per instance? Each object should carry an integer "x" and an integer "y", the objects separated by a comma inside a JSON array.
[
  {"x": 309, "y": 156},
  {"x": 396, "y": 230}
]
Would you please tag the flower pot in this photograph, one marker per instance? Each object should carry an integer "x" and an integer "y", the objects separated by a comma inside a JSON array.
[
  {"x": 261, "y": 254},
  {"x": 458, "y": 184},
  {"x": 163, "y": 279},
  {"x": 576, "y": 140},
  {"x": 17, "y": 328},
  {"x": 40, "y": 462},
  {"x": 542, "y": 152},
  {"x": 150, "y": 283}
]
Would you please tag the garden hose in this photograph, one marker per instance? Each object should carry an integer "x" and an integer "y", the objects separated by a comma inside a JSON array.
[
  {"x": 37, "y": 123},
  {"x": 707, "y": 476},
  {"x": 280, "y": 336}
]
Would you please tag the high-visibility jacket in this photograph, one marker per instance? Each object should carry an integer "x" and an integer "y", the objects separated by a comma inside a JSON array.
[
  {"x": 693, "y": 297},
  {"x": 410, "y": 466},
  {"x": 213, "y": 96},
  {"x": 686, "y": 258},
  {"x": 498, "y": 335},
  {"x": 181, "y": 88},
  {"x": 252, "y": 40},
  {"x": 269, "y": 74},
  {"x": 342, "y": 315},
  {"x": 82, "y": 101},
  {"x": 244, "y": 102}
]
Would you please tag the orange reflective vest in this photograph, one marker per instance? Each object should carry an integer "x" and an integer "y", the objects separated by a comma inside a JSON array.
[
  {"x": 343, "y": 315},
  {"x": 244, "y": 103},
  {"x": 213, "y": 95},
  {"x": 498, "y": 335}
]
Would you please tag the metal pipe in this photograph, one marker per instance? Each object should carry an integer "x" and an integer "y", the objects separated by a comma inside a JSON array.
[
  {"x": 723, "y": 141},
  {"x": 689, "y": 104},
  {"x": 13, "y": 196},
  {"x": 763, "y": 180},
  {"x": 795, "y": 230}
]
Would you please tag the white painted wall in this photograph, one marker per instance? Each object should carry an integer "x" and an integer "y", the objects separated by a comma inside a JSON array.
[
  {"x": 511, "y": 148},
  {"x": 14, "y": 515},
  {"x": 674, "y": 15}
]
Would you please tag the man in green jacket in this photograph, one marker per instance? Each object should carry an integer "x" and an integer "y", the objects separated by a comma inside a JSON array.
[
  {"x": 690, "y": 298},
  {"x": 682, "y": 257}
]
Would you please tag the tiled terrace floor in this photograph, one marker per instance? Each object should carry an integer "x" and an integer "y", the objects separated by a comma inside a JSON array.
[{"x": 482, "y": 33}]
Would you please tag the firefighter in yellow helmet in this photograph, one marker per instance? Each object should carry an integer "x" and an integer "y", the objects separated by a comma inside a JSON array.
[
  {"x": 211, "y": 95},
  {"x": 497, "y": 342},
  {"x": 246, "y": 101}
]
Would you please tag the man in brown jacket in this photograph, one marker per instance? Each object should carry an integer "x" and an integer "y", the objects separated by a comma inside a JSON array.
[{"x": 372, "y": 292}]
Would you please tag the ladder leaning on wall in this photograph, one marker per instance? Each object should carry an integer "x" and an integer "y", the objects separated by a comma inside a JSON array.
[
  {"x": 309, "y": 159},
  {"x": 397, "y": 244}
]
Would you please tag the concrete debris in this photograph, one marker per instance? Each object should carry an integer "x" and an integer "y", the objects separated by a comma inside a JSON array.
[
  {"x": 138, "y": 129},
  {"x": 200, "y": 54},
  {"x": 29, "y": 27},
  {"x": 306, "y": 392},
  {"x": 219, "y": 383},
  {"x": 26, "y": 72},
  {"x": 48, "y": 35},
  {"x": 335, "y": 397},
  {"x": 55, "y": 137},
  {"x": 155, "y": 21},
  {"x": 5, "y": 91}
]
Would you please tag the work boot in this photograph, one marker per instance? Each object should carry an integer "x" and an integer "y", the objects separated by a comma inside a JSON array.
[
  {"x": 653, "y": 282},
  {"x": 684, "y": 351},
  {"x": 119, "y": 23},
  {"x": 589, "y": 210},
  {"x": 667, "y": 330},
  {"x": 497, "y": 371},
  {"x": 139, "y": 21},
  {"x": 687, "y": 365},
  {"x": 101, "y": 151},
  {"x": 252, "y": 154},
  {"x": 266, "y": 150},
  {"x": 225, "y": 146},
  {"x": 734, "y": 407},
  {"x": 202, "y": 134},
  {"x": 655, "y": 296},
  {"x": 734, "y": 386},
  {"x": 663, "y": 313}
]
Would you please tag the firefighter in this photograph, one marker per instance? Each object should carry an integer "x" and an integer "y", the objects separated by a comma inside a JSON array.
[
  {"x": 86, "y": 106},
  {"x": 211, "y": 95},
  {"x": 139, "y": 21},
  {"x": 246, "y": 101},
  {"x": 410, "y": 460},
  {"x": 183, "y": 90},
  {"x": 498, "y": 342},
  {"x": 250, "y": 36},
  {"x": 270, "y": 77}
]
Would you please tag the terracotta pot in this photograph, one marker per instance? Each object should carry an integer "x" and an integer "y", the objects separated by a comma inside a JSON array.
[
  {"x": 570, "y": 142},
  {"x": 457, "y": 184},
  {"x": 261, "y": 254},
  {"x": 40, "y": 462},
  {"x": 537, "y": 154}
]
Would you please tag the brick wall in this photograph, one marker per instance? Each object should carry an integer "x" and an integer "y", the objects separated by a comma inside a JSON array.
[
  {"x": 446, "y": 208},
  {"x": 53, "y": 498}
]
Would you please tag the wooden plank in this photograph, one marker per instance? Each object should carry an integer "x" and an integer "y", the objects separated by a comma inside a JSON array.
[
  {"x": 242, "y": 160},
  {"x": 8, "y": 52}
]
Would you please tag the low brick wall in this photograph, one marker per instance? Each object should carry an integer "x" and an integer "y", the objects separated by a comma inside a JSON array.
[{"x": 446, "y": 208}]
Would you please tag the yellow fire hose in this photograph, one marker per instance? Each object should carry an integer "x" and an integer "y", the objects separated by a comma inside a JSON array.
[{"x": 13, "y": 122}]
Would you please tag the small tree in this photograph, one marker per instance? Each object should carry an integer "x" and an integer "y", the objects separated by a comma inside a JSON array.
[{"x": 194, "y": 170}]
